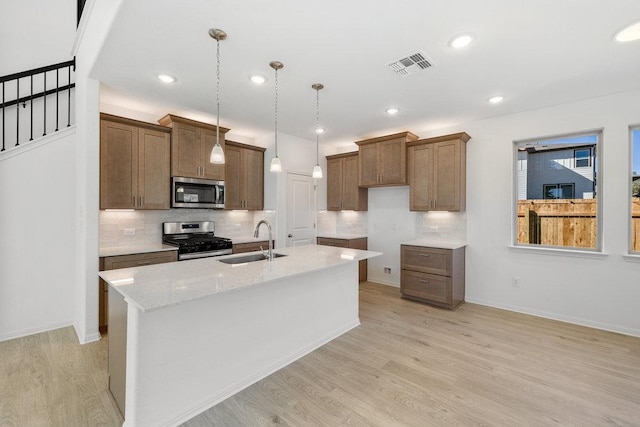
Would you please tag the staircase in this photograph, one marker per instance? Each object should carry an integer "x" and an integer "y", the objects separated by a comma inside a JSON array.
[{"x": 36, "y": 103}]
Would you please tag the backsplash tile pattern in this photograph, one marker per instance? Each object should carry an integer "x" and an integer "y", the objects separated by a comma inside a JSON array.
[
  {"x": 147, "y": 225},
  {"x": 451, "y": 226},
  {"x": 347, "y": 222}
]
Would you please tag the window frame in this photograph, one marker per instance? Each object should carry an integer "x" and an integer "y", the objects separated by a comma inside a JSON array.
[
  {"x": 558, "y": 186},
  {"x": 631, "y": 252},
  {"x": 576, "y": 158},
  {"x": 595, "y": 153}
]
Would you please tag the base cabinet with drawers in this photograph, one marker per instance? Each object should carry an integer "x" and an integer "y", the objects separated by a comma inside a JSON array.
[
  {"x": 356, "y": 243},
  {"x": 433, "y": 275},
  {"x": 126, "y": 261}
]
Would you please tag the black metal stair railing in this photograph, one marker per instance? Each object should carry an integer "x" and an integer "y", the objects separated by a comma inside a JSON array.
[{"x": 43, "y": 91}]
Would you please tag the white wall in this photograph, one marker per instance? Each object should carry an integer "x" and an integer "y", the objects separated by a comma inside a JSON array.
[
  {"x": 35, "y": 33},
  {"x": 605, "y": 292},
  {"x": 37, "y": 228}
]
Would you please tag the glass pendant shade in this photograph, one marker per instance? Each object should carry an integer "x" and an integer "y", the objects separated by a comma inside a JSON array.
[
  {"x": 217, "y": 155},
  {"x": 276, "y": 166},
  {"x": 317, "y": 172}
]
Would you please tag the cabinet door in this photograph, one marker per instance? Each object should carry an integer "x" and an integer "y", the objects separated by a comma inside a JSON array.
[
  {"x": 350, "y": 190},
  {"x": 368, "y": 165},
  {"x": 154, "y": 151},
  {"x": 233, "y": 178},
  {"x": 118, "y": 165},
  {"x": 211, "y": 171},
  {"x": 186, "y": 151},
  {"x": 335, "y": 183},
  {"x": 392, "y": 162},
  {"x": 138, "y": 260},
  {"x": 446, "y": 175},
  {"x": 326, "y": 241},
  {"x": 254, "y": 179},
  {"x": 420, "y": 177}
]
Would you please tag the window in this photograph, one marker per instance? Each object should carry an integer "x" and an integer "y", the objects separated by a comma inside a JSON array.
[
  {"x": 556, "y": 192},
  {"x": 635, "y": 190},
  {"x": 583, "y": 157}
]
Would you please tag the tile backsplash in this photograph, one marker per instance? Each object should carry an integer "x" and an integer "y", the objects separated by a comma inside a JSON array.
[
  {"x": 346, "y": 222},
  {"x": 451, "y": 226},
  {"x": 126, "y": 228}
]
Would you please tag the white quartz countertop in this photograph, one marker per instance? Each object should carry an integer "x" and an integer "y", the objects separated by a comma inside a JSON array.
[
  {"x": 342, "y": 236},
  {"x": 440, "y": 244},
  {"x": 161, "y": 285},
  {"x": 137, "y": 249}
]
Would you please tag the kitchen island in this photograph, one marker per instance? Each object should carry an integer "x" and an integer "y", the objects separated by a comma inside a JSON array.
[{"x": 184, "y": 336}]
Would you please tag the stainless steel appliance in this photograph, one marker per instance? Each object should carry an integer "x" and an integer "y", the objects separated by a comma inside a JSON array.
[
  {"x": 196, "y": 193},
  {"x": 195, "y": 239}
]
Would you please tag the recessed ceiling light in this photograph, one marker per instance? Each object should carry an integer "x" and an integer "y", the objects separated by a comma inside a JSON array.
[
  {"x": 257, "y": 79},
  {"x": 319, "y": 130},
  {"x": 165, "y": 78},
  {"x": 460, "y": 41},
  {"x": 496, "y": 99},
  {"x": 392, "y": 111},
  {"x": 629, "y": 34}
]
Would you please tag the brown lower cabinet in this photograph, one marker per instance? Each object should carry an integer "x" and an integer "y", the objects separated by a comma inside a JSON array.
[
  {"x": 125, "y": 261},
  {"x": 432, "y": 275},
  {"x": 240, "y": 248},
  {"x": 359, "y": 243}
]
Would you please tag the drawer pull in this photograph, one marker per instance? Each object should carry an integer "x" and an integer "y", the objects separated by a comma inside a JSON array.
[
  {"x": 424, "y": 254},
  {"x": 144, "y": 263},
  {"x": 423, "y": 281}
]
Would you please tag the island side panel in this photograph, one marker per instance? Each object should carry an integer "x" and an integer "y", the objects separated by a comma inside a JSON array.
[
  {"x": 190, "y": 356},
  {"x": 117, "y": 347}
]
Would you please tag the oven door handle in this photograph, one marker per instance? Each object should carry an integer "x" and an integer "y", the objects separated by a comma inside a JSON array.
[{"x": 194, "y": 255}]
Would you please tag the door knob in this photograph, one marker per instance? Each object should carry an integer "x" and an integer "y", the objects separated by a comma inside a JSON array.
[{"x": 290, "y": 235}]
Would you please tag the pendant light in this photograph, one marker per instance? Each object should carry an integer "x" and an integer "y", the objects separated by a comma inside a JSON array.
[
  {"x": 217, "y": 154},
  {"x": 317, "y": 170},
  {"x": 276, "y": 166}
]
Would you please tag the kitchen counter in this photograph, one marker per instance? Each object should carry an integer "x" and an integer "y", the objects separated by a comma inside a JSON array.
[
  {"x": 187, "y": 335},
  {"x": 440, "y": 244},
  {"x": 157, "y": 286},
  {"x": 137, "y": 249}
]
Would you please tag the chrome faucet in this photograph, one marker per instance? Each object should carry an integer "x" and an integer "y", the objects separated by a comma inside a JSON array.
[{"x": 256, "y": 234}]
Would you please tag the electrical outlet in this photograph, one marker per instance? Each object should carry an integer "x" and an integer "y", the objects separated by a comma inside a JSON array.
[
  {"x": 515, "y": 282},
  {"x": 236, "y": 227},
  {"x": 433, "y": 229},
  {"x": 387, "y": 270},
  {"x": 129, "y": 231}
]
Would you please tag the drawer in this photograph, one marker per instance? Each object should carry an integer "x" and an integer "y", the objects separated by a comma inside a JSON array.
[
  {"x": 239, "y": 248},
  {"x": 137, "y": 260},
  {"x": 426, "y": 260},
  {"x": 426, "y": 286},
  {"x": 340, "y": 243}
]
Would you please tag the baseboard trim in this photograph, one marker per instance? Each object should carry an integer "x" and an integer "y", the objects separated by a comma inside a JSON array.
[
  {"x": 252, "y": 379},
  {"x": 383, "y": 281},
  {"x": 552, "y": 316},
  {"x": 36, "y": 330}
]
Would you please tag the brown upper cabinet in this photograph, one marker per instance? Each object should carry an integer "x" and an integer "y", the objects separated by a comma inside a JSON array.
[
  {"x": 134, "y": 164},
  {"x": 383, "y": 160},
  {"x": 244, "y": 182},
  {"x": 343, "y": 192},
  {"x": 191, "y": 145},
  {"x": 437, "y": 173}
]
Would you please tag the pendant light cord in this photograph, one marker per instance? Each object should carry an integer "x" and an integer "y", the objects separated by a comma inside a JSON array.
[
  {"x": 317, "y": 125},
  {"x": 218, "y": 91},
  {"x": 276, "y": 114}
]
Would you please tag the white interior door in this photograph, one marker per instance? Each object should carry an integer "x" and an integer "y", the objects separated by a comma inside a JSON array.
[{"x": 301, "y": 210}]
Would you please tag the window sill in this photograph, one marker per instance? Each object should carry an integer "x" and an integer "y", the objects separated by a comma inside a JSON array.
[
  {"x": 631, "y": 257},
  {"x": 562, "y": 252}
]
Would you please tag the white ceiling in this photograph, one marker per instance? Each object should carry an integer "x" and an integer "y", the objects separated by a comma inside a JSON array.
[{"x": 536, "y": 53}]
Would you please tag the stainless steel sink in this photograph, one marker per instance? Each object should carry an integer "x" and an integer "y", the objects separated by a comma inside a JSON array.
[{"x": 248, "y": 258}]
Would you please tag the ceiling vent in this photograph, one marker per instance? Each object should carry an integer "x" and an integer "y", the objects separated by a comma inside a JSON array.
[{"x": 410, "y": 64}]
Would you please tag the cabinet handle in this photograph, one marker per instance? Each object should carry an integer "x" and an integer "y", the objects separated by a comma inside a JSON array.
[
  {"x": 144, "y": 263},
  {"x": 423, "y": 281},
  {"x": 423, "y": 254},
  {"x": 142, "y": 201},
  {"x": 133, "y": 200}
]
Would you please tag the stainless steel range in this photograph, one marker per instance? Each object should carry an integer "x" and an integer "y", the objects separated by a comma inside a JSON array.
[{"x": 195, "y": 239}]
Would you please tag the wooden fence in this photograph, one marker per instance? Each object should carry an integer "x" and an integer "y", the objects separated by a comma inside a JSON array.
[{"x": 566, "y": 222}]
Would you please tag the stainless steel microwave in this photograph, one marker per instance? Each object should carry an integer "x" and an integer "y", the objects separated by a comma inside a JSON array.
[{"x": 196, "y": 193}]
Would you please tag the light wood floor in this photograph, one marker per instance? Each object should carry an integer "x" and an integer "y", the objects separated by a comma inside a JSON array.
[{"x": 408, "y": 364}]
